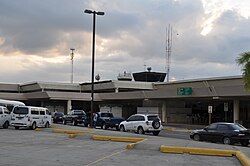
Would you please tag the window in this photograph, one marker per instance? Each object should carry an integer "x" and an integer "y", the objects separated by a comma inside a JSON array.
[
  {"x": 21, "y": 110},
  {"x": 42, "y": 112},
  {"x": 132, "y": 118},
  {"x": 212, "y": 127},
  {"x": 108, "y": 115},
  {"x": 6, "y": 111},
  {"x": 48, "y": 113},
  {"x": 34, "y": 112},
  {"x": 222, "y": 127},
  {"x": 140, "y": 118},
  {"x": 152, "y": 117}
]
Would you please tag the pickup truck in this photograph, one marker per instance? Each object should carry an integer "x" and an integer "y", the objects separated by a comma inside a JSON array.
[
  {"x": 106, "y": 120},
  {"x": 75, "y": 117}
]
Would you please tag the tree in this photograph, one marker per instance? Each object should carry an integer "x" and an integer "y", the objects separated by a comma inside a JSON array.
[{"x": 244, "y": 60}]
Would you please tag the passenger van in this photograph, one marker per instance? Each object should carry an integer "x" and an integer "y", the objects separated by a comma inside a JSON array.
[
  {"x": 10, "y": 104},
  {"x": 31, "y": 117}
]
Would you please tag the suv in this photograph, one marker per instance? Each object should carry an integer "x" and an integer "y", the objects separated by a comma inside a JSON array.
[
  {"x": 141, "y": 123},
  {"x": 4, "y": 117}
]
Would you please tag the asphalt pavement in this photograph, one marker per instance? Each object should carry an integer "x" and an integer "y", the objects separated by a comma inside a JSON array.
[{"x": 45, "y": 147}]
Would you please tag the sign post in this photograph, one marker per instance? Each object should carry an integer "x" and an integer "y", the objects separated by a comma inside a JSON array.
[
  {"x": 226, "y": 110},
  {"x": 210, "y": 111}
]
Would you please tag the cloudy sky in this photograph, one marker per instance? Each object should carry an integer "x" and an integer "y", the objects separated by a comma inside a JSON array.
[{"x": 36, "y": 37}]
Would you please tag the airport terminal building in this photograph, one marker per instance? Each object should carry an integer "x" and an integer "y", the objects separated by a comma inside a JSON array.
[{"x": 187, "y": 101}]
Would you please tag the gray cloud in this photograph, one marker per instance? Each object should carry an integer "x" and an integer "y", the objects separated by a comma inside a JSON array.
[{"x": 135, "y": 31}]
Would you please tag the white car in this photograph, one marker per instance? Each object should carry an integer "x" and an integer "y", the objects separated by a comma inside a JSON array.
[
  {"x": 4, "y": 117},
  {"x": 141, "y": 123}
]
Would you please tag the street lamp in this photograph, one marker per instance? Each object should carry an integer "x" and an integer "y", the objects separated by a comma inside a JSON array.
[{"x": 93, "y": 61}]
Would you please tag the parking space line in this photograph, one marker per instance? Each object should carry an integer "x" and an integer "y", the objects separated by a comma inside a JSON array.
[{"x": 103, "y": 158}]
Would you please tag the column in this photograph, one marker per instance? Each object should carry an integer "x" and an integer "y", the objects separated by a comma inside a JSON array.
[
  {"x": 69, "y": 106},
  {"x": 164, "y": 111},
  {"x": 236, "y": 110}
]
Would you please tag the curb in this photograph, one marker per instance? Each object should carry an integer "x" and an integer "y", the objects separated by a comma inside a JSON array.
[
  {"x": 119, "y": 139},
  {"x": 244, "y": 160},
  {"x": 70, "y": 131}
]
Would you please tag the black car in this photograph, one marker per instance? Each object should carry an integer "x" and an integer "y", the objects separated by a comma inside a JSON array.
[
  {"x": 57, "y": 117},
  {"x": 227, "y": 133}
]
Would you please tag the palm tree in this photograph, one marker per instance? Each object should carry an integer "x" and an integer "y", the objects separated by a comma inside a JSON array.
[{"x": 244, "y": 60}]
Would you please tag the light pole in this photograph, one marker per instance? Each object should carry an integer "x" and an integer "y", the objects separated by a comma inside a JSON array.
[
  {"x": 93, "y": 61},
  {"x": 72, "y": 69}
]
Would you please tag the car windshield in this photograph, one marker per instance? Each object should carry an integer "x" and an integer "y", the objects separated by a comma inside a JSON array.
[
  {"x": 152, "y": 117},
  {"x": 108, "y": 115},
  {"x": 58, "y": 114},
  {"x": 20, "y": 110},
  {"x": 238, "y": 127},
  {"x": 78, "y": 113}
]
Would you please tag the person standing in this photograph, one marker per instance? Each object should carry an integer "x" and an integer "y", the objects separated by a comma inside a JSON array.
[{"x": 94, "y": 120}]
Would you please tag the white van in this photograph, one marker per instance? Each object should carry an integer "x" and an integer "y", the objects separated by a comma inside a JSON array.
[
  {"x": 32, "y": 117},
  {"x": 4, "y": 117},
  {"x": 10, "y": 104}
]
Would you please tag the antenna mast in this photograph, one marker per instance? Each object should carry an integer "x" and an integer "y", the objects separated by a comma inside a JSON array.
[
  {"x": 168, "y": 49},
  {"x": 72, "y": 58}
]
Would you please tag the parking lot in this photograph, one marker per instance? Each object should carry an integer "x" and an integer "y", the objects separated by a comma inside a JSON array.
[{"x": 45, "y": 147}]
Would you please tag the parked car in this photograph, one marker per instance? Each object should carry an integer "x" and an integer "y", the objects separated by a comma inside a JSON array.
[
  {"x": 107, "y": 120},
  {"x": 227, "y": 133},
  {"x": 4, "y": 117},
  {"x": 57, "y": 117},
  {"x": 141, "y": 123},
  {"x": 75, "y": 117},
  {"x": 32, "y": 117}
]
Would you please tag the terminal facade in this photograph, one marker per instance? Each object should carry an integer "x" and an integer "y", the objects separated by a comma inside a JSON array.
[{"x": 185, "y": 102}]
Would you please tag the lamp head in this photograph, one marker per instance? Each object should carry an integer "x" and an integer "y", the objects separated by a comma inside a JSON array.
[{"x": 88, "y": 11}]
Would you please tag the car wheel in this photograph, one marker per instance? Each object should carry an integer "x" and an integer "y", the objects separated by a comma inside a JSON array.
[
  {"x": 16, "y": 127},
  {"x": 33, "y": 127},
  {"x": 156, "y": 124},
  {"x": 104, "y": 126},
  {"x": 117, "y": 128},
  {"x": 156, "y": 133},
  {"x": 245, "y": 143},
  {"x": 122, "y": 128},
  {"x": 197, "y": 137},
  {"x": 140, "y": 130},
  {"x": 6, "y": 125},
  {"x": 74, "y": 123},
  {"x": 47, "y": 125},
  {"x": 85, "y": 124},
  {"x": 226, "y": 140}
]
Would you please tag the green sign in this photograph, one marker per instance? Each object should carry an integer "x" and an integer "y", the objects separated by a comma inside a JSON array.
[{"x": 184, "y": 91}]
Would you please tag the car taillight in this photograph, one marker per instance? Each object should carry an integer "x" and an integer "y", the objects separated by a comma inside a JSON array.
[{"x": 147, "y": 123}]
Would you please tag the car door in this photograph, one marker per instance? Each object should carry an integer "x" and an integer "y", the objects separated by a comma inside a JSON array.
[
  {"x": 139, "y": 119},
  {"x": 222, "y": 130},
  {"x": 129, "y": 122},
  {"x": 209, "y": 132},
  {"x": 7, "y": 114},
  {"x": 1, "y": 116}
]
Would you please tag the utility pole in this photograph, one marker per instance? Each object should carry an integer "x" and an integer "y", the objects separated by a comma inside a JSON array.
[{"x": 72, "y": 68}]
